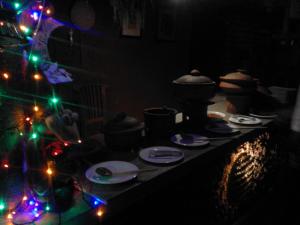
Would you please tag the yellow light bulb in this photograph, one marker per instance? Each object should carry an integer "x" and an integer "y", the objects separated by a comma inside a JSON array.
[
  {"x": 37, "y": 76},
  {"x": 100, "y": 212},
  {"x": 49, "y": 171},
  {"x": 9, "y": 216},
  {"x": 5, "y": 76},
  {"x": 36, "y": 108}
]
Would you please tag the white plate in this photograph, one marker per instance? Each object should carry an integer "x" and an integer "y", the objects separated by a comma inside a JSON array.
[
  {"x": 263, "y": 116},
  {"x": 190, "y": 140},
  {"x": 114, "y": 167},
  {"x": 244, "y": 120},
  {"x": 221, "y": 128},
  {"x": 145, "y": 154}
]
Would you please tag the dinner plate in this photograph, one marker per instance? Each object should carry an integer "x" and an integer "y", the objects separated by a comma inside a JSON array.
[
  {"x": 190, "y": 140},
  {"x": 270, "y": 116},
  {"x": 161, "y": 155},
  {"x": 244, "y": 120},
  {"x": 221, "y": 128},
  {"x": 114, "y": 167}
]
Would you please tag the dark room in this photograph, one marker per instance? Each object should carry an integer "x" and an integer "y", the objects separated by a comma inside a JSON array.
[{"x": 149, "y": 112}]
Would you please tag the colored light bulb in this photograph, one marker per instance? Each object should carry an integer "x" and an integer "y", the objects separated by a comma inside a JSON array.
[
  {"x": 54, "y": 100},
  {"x": 1, "y": 24},
  {"x": 100, "y": 212},
  {"x": 25, "y": 198},
  {"x": 5, "y": 165},
  {"x": 9, "y": 216},
  {"x": 47, "y": 208},
  {"x": 37, "y": 76},
  {"x": 31, "y": 202},
  {"x": 34, "y": 136},
  {"x": 49, "y": 171},
  {"x": 17, "y": 5},
  {"x": 48, "y": 11},
  {"x": 34, "y": 58},
  {"x": 35, "y": 16},
  {"x": 25, "y": 29},
  {"x": 2, "y": 206},
  {"x": 36, "y": 108},
  {"x": 5, "y": 76},
  {"x": 96, "y": 202}
]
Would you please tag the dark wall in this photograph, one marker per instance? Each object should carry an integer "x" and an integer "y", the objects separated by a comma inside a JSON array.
[
  {"x": 139, "y": 70},
  {"x": 256, "y": 35}
]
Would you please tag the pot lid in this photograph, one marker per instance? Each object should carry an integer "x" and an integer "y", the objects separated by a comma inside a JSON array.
[
  {"x": 121, "y": 122},
  {"x": 241, "y": 75},
  {"x": 194, "y": 77}
]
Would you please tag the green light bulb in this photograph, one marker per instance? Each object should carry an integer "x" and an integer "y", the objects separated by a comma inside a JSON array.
[
  {"x": 34, "y": 58},
  {"x": 2, "y": 206},
  {"x": 47, "y": 208},
  {"x": 54, "y": 100},
  {"x": 17, "y": 5},
  {"x": 34, "y": 136}
]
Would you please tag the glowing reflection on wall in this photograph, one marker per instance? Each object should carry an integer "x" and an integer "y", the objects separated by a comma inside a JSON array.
[{"x": 247, "y": 167}]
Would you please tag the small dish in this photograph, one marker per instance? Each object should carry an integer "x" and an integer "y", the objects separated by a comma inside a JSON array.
[
  {"x": 244, "y": 120},
  {"x": 190, "y": 140},
  {"x": 165, "y": 155}
]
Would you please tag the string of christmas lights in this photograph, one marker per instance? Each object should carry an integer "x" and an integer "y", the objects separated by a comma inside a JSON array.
[{"x": 20, "y": 22}]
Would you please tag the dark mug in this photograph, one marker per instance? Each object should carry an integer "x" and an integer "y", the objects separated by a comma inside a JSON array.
[{"x": 160, "y": 122}]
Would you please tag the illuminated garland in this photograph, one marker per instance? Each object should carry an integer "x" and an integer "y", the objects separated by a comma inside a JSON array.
[{"x": 22, "y": 34}]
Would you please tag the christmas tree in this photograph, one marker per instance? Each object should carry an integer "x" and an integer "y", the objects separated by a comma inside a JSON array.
[{"x": 35, "y": 128}]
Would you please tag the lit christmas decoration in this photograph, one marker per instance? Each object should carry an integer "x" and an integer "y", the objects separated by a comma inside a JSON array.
[
  {"x": 54, "y": 100},
  {"x": 34, "y": 136},
  {"x": 48, "y": 11},
  {"x": 17, "y": 5},
  {"x": 10, "y": 216},
  {"x": 37, "y": 77},
  {"x": 34, "y": 58},
  {"x": 1, "y": 23},
  {"x": 2, "y": 206},
  {"x": 25, "y": 29},
  {"x": 100, "y": 212},
  {"x": 5, "y": 76},
  {"x": 35, "y": 16},
  {"x": 36, "y": 108}
]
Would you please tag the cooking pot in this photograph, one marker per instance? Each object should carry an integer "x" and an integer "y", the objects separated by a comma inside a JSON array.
[
  {"x": 123, "y": 132},
  {"x": 194, "y": 86},
  {"x": 160, "y": 122}
]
